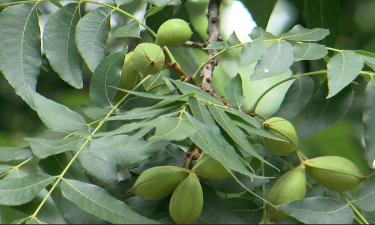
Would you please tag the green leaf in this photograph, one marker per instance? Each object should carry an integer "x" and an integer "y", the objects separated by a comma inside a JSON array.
[
  {"x": 43, "y": 148},
  {"x": 172, "y": 128},
  {"x": 20, "y": 58},
  {"x": 368, "y": 57},
  {"x": 343, "y": 68},
  {"x": 186, "y": 88},
  {"x": 233, "y": 92},
  {"x": 369, "y": 122},
  {"x": 309, "y": 51},
  {"x": 123, "y": 149},
  {"x": 101, "y": 170},
  {"x": 96, "y": 201},
  {"x": 277, "y": 59},
  {"x": 251, "y": 52},
  {"x": 319, "y": 210},
  {"x": 5, "y": 168},
  {"x": 217, "y": 211},
  {"x": 94, "y": 112},
  {"x": 260, "y": 10},
  {"x": 55, "y": 116},
  {"x": 142, "y": 113},
  {"x": 17, "y": 191},
  {"x": 259, "y": 33},
  {"x": 325, "y": 112},
  {"x": 74, "y": 214},
  {"x": 246, "y": 209},
  {"x": 233, "y": 39},
  {"x": 217, "y": 45},
  {"x": 60, "y": 45},
  {"x": 233, "y": 131},
  {"x": 324, "y": 14},
  {"x": 106, "y": 76},
  {"x": 122, "y": 2},
  {"x": 54, "y": 165},
  {"x": 164, "y": 2},
  {"x": 129, "y": 30},
  {"x": 35, "y": 221},
  {"x": 147, "y": 207},
  {"x": 92, "y": 34},
  {"x": 14, "y": 153},
  {"x": 151, "y": 11},
  {"x": 300, "y": 33},
  {"x": 366, "y": 195},
  {"x": 296, "y": 98}
]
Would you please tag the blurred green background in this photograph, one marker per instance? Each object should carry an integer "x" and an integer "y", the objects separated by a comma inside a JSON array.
[{"x": 355, "y": 30}]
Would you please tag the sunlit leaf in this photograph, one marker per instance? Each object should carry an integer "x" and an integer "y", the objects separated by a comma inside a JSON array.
[
  {"x": 369, "y": 122},
  {"x": 20, "y": 58},
  {"x": 325, "y": 112},
  {"x": 56, "y": 116},
  {"x": 300, "y": 33},
  {"x": 276, "y": 59},
  {"x": 366, "y": 195},
  {"x": 17, "y": 191},
  {"x": 14, "y": 153},
  {"x": 60, "y": 45},
  {"x": 233, "y": 92},
  {"x": 309, "y": 51},
  {"x": 106, "y": 76},
  {"x": 96, "y": 201},
  {"x": 259, "y": 33},
  {"x": 217, "y": 211},
  {"x": 246, "y": 209},
  {"x": 122, "y": 2},
  {"x": 129, "y": 30},
  {"x": 343, "y": 68},
  {"x": 251, "y": 52},
  {"x": 151, "y": 11},
  {"x": 296, "y": 98},
  {"x": 43, "y": 148},
  {"x": 233, "y": 39},
  {"x": 319, "y": 210},
  {"x": 92, "y": 34}
]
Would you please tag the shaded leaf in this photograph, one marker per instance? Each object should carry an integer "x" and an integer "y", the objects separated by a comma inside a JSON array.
[
  {"x": 324, "y": 14},
  {"x": 276, "y": 59},
  {"x": 142, "y": 113},
  {"x": 172, "y": 128},
  {"x": 106, "y": 76},
  {"x": 60, "y": 45},
  {"x": 296, "y": 98},
  {"x": 129, "y": 30},
  {"x": 217, "y": 211},
  {"x": 20, "y": 58},
  {"x": 186, "y": 88},
  {"x": 309, "y": 51},
  {"x": 251, "y": 52},
  {"x": 35, "y": 221},
  {"x": 319, "y": 210},
  {"x": 325, "y": 112},
  {"x": 246, "y": 209},
  {"x": 96, "y": 201},
  {"x": 5, "y": 168},
  {"x": 92, "y": 34},
  {"x": 369, "y": 122},
  {"x": 148, "y": 207},
  {"x": 260, "y": 10},
  {"x": 43, "y": 148},
  {"x": 17, "y": 191},
  {"x": 123, "y": 149},
  {"x": 366, "y": 195},
  {"x": 233, "y": 92},
  {"x": 14, "y": 153},
  {"x": 300, "y": 33},
  {"x": 94, "y": 112},
  {"x": 55, "y": 116},
  {"x": 343, "y": 68}
]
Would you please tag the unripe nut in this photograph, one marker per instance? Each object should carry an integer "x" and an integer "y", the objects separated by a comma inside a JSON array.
[
  {"x": 186, "y": 202},
  {"x": 209, "y": 168},
  {"x": 158, "y": 182},
  {"x": 334, "y": 172},
  {"x": 129, "y": 77},
  {"x": 173, "y": 32},
  {"x": 284, "y": 130},
  {"x": 148, "y": 58},
  {"x": 290, "y": 186}
]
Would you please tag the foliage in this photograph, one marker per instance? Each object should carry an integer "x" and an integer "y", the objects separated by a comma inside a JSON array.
[{"x": 83, "y": 174}]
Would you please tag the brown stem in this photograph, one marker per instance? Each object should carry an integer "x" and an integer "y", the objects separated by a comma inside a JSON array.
[
  {"x": 194, "y": 44},
  {"x": 299, "y": 157},
  {"x": 176, "y": 67}
]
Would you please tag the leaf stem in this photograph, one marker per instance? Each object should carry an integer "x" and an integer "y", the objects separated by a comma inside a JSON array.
[
  {"x": 255, "y": 105},
  {"x": 354, "y": 208}
]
